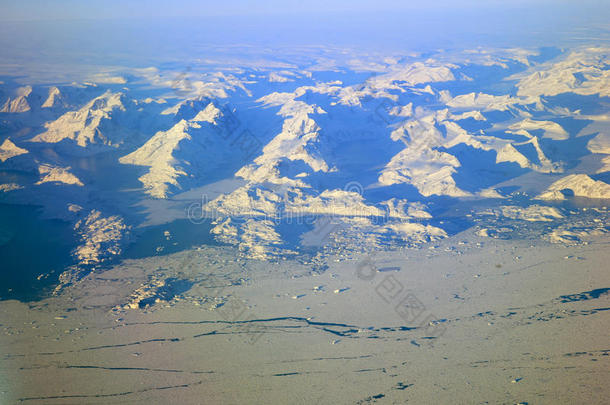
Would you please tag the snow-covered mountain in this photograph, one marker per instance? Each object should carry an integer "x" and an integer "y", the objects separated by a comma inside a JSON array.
[
  {"x": 576, "y": 185},
  {"x": 379, "y": 148},
  {"x": 18, "y": 101},
  {"x": 191, "y": 152},
  {"x": 9, "y": 150},
  {"x": 92, "y": 124},
  {"x": 55, "y": 99}
]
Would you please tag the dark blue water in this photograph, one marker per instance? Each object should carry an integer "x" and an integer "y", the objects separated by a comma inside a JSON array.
[
  {"x": 33, "y": 252},
  {"x": 183, "y": 235}
]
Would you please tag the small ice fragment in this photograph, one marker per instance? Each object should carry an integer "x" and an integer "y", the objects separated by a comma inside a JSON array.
[{"x": 483, "y": 232}]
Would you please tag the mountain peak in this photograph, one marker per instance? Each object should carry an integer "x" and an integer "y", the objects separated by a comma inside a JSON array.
[
  {"x": 54, "y": 99},
  {"x": 19, "y": 102},
  {"x": 209, "y": 114},
  {"x": 9, "y": 150}
]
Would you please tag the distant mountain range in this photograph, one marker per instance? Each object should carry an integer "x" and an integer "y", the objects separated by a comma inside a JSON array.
[{"x": 374, "y": 149}]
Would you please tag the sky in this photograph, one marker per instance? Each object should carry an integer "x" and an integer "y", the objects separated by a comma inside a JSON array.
[
  {"x": 111, "y": 9},
  {"x": 66, "y": 35}
]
